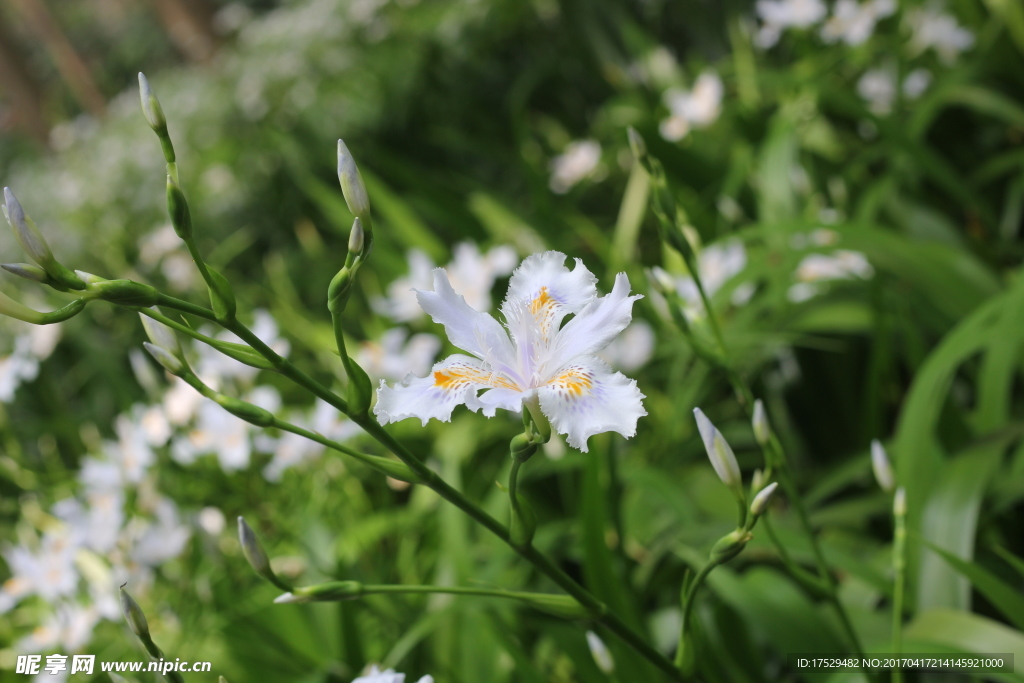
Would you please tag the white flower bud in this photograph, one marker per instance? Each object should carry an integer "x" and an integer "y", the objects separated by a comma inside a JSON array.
[
  {"x": 882, "y": 468},
  {"x": 171, "y": 364},
  {"x": 599, "y": 651},
  {"x": 151, "y": 108},
  {"x": 356, "y": 237},
  {"x": 719, "y": 452},
  {"x": 757, "y": 482},
  {"x": 352, "y": 183},
  {"x": 762, "y": 431},
  {"x": 762, "y": 499},
  {"x": 161, "y": 336},
  {"x": 899, "y": 502},
  {"x": 134, "y": 616},
  {"x": 25, "y": 230}
]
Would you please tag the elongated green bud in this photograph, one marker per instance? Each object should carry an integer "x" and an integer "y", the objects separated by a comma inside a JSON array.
[
  {"x": 762, "y": 431},
  {"x": 26, "y": 232},
  {"x": 882, "y": 468},
  {"x": 339, "y": 291},
  {"x": 899, "y": 503},
  {"x": 161, "y": 335},
  {"x": 134, "y": 616},
  {"x": 151, "y": 108},
  {"x": 396, "y": 469},
  {"x": 564, "y": 606},
  {"x": 222, "y": 297},
  {"x": 719, "y": 452},
  {"x": 154, "y": 114},
  {"x": 122, "y": 292},
  {"x": 332, "y": 591},
  {"x": 252, "y": 414},
  {"x": 730, "y": 545},
  {"x": 762, "y": 499},
  {"x": 359, "y": 392},
  {"x": 242, "y": 353},
  {"x": 356, "y": 237},
  {"x": 599, "y": 651},
  {"x": 177, "y": 209},
  {"x": 256, "y": 555},
  {"x": 352, "y": 186},
  {"x": 169, "y": 361},
  {"x": 34, "y": 244},
  {"x": 757, "y": 482},
  {"x": 29, "y": 272}
]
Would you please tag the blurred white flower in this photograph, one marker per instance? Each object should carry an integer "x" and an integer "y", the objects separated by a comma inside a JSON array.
[
  {"x": 397, "y": 354},
  {"x": 932, "y": 28},
  {"x": 181, "y": 402},
  {"x": 97, "y": 522},
  {"x": 471, "y": 273},
  {"x": 47, "y": 571},
  {"x": 853, "y": 22},
  {"x": 36, "y": 343},
  {"x": 218, "y": 431},
  {"x": 375, "y": 675},
  {"x": 878, "y": 88},
  {"x": 211, "y": 520},
  {"x": 779, "y": 15},
  {"x": 814, "y": 269},
  {"x": 717, "y": 264},
  {"x": 68, "y": 628},
  {"x": 155, "y": 541},
  {"x": 695, "y": 108},
  {"x": 579, "y": 160},
  {"x": 631, "y": 349},
  {"x": 916, "y": 82}
]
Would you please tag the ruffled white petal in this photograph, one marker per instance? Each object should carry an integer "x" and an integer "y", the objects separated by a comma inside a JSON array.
[
  {"x": 587, "y": 398},
  {"x": 500, "y": 397},
  {"x": 548, "y": 290},
  {"x": 454, "y": 381},
  {"x": 470, "y": 330},
  {"x": 596, "y": 325}
]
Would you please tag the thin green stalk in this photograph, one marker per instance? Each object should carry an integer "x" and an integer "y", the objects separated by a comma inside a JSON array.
[
  {"x": 899, "y": 569},
  {"x": 691, "y": 592}
]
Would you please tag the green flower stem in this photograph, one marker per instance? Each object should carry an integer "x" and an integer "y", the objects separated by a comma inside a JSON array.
[
  {"x": 430, "y": 478},
  {"x": 899, "y": 569},
  {"x": 691, "y": 592},
  {"x": 811, "y": 582}
]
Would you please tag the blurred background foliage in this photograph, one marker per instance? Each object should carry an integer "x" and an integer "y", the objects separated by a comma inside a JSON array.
[{"x": 502, "y": 122}]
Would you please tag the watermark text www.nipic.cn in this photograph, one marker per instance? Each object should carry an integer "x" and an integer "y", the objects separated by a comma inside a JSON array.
[{"x": 86, "y": 664}]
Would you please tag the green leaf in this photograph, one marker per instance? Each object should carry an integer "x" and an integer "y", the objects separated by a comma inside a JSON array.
[
  {"x": 1005, "y": 598},
  {"x": 946, "y": 630}
]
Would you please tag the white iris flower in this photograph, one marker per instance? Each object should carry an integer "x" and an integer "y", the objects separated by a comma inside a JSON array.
[{"x": 533, "y": 359}]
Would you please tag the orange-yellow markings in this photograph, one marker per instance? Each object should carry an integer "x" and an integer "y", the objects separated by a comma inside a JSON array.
[
  {"x": 454, "y": 377},
  {"x": 575, "y": 381}
]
